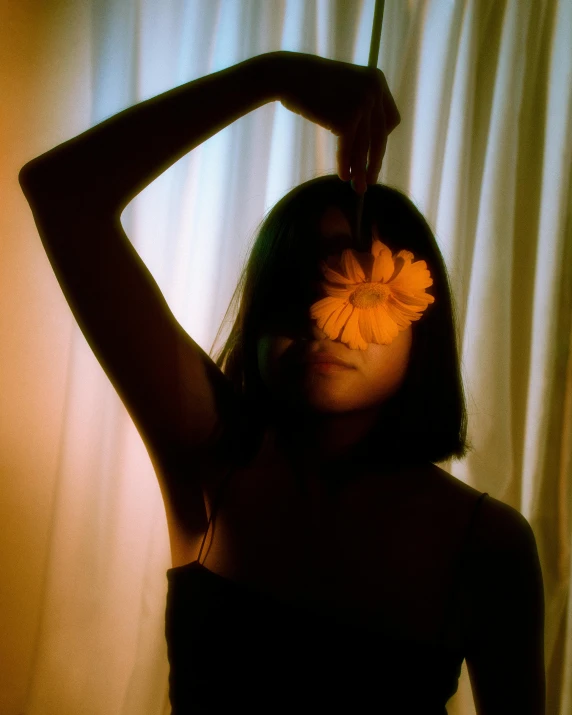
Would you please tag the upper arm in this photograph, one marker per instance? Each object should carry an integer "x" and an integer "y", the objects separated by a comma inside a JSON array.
[
  {"x": 505, "y": 656},
  {"x": 173, "y": 391}
]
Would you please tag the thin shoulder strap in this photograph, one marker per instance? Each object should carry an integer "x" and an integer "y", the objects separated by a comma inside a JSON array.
[
  {"x": 216, "y": 505},
  {"x": 243, "y": 436},
  {"x": 460, "y": 567}
]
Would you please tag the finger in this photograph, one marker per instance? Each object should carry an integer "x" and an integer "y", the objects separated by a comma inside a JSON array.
[
  {"x": 395, "y": 119},
  {"x": 392, "y": 116},
  {"x": 359, "y": 154},
  {"x": 378, "y": 145},
  {"x": 344, "y": 150}
]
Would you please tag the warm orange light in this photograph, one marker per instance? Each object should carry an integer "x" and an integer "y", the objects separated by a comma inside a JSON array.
[{"x": 371, "y": 297}]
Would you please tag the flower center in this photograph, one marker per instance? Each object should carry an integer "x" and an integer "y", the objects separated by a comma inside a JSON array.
[{"x": 369, "y": 295}]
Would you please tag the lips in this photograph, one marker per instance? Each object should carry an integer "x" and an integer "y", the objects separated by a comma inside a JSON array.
[{"x": 325, "y": 358}]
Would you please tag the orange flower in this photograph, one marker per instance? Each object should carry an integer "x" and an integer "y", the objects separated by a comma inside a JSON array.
[{"x": 372, "y": 296}]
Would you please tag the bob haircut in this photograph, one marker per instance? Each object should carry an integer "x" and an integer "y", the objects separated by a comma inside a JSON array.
[{"x": 426, "y": 419}]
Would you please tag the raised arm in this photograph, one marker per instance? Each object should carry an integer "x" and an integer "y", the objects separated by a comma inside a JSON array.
[
  {"x": 172, "y": 389},
  {"x": 108, "y": 165}
]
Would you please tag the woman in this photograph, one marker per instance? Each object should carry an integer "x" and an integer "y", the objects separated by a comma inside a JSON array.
[{"x": 342, "y": 553}]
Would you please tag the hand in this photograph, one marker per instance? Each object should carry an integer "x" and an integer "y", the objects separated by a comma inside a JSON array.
[{"x": 353, "y": 102}]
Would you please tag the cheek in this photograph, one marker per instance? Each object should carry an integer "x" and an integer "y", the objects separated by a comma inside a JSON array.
[{"x": 386, "y": 365}]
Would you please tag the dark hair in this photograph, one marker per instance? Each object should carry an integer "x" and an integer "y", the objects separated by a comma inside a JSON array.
[{"x": 426, "y": 419}]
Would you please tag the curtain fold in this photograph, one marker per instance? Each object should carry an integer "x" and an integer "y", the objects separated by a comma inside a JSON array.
[{"x": 484, "y": 149}]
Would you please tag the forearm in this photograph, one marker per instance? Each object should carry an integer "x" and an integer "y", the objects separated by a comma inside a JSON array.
[{"x": 108, "y": 165}]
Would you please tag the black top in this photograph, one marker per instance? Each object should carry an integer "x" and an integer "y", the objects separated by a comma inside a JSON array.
[{"x": 232, "y": 648}]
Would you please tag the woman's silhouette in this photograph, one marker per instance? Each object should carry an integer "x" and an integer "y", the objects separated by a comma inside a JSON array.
[{"x": 343, "y": 571}]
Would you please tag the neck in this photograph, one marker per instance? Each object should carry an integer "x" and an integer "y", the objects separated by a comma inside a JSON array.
[{"x": 315, "y": 443}]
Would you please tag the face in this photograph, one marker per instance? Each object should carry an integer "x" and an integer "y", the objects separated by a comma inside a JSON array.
[{"x": 374, "y": 375}]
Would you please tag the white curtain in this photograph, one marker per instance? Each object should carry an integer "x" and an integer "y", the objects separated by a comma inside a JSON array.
[{"x": 484, "y": 149}]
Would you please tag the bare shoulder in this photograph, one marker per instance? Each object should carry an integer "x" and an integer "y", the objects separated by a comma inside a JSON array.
[
  {"x": 506, "y": 609},
  {"x": 496, "y": 521},
  {"x": 453, "y": 485},
  {"x": 458, "y": 498},
  {"x": 505, "y": 646},
  {"x": 499, "y": 532},
  {"x": 500, "y": 529},
  {"x": 502, "y": 537}
]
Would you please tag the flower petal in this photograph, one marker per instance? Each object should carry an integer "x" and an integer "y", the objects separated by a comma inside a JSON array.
[
  {"x": 398, "y": 317},
  {"x": 385, "y": 328},
  {"x": 412, "y": 277},
  {"x": 377, "y": 329},
  {"x": 334, "y": 276},
  {"x": 408, "y": 312},
  {"x": 340, "y": 293},
  {"x": 333, "y": 325},
  {"x": 416, "y": 302},
  {"x": 352, "y": 267},
  {"x": 351, "y": 334},
  {"x": 405, "y": 256},
  {"x": 322, "y": 309},
  {"x": 365, "y": 320},
  {"x": 376, "y": 243},
  {"x": 383, "y": 266},
  {"x": 340, "y": 319}
]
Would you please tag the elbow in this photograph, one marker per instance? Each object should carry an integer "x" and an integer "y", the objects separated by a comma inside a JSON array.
[
  {"x": 57, "y": 195},
  {"x": 46, "y": 183},
  {"x": 47, "y": 173},
  {"x": 26, "y": 177},
  {"x": 33, "y": 178}
]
